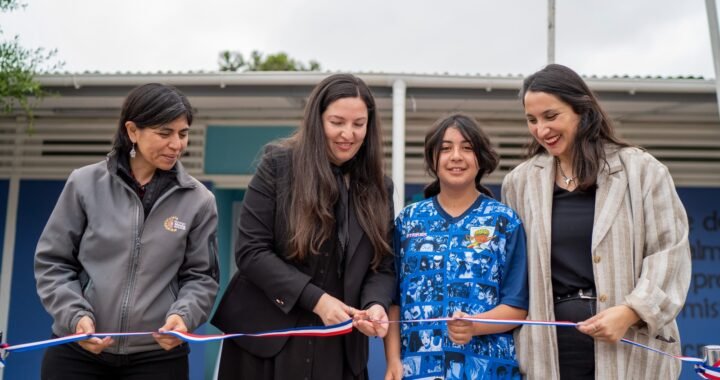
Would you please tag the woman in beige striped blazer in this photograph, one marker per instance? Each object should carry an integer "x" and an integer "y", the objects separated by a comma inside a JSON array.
[{"x": 607, "y": 237}]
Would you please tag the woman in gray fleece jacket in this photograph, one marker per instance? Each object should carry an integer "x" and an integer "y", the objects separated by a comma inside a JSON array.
[{"x": 130, "y": 246}]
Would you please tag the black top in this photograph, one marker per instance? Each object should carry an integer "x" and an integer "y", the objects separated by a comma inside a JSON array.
[
  {"x": 571, "y": 240},
  {"x": 149, "y": 193},
  {"x": 314, "y": 357}
]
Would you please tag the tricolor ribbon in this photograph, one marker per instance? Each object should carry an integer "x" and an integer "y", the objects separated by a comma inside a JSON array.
[
  {"x": 708, "y": 372},
  {"x": 701, "y": 368},
  {"x": 316, "y": 331}
]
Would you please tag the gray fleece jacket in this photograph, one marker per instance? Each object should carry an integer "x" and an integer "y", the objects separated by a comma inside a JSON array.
[{"x": 98, "y": 256}]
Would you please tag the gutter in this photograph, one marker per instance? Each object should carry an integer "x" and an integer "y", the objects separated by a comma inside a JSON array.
[{"x": 488, "y": 83}]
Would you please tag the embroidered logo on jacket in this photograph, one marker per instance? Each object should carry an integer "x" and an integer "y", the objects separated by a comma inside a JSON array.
[{"x": 172, "y": 224}]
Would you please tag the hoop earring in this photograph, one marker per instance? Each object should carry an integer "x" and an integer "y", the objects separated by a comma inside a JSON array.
[{"x": 133, "y": 153}]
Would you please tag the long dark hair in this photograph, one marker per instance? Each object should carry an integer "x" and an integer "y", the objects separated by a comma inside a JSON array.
[
  {"x": 150, "y": 106},
  {"x": 595, "y": 128},
  {"x": 486, "y": 156},
  {"x": 314, "y": 188}
]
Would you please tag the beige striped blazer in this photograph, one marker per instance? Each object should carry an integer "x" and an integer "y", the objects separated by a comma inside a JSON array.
[{"x": 641, "y": 258}]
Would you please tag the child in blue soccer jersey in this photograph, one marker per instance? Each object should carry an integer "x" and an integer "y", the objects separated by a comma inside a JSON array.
[{"x": 473, "y": 248}]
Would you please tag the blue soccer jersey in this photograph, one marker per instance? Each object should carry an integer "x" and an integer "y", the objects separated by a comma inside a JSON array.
[{"x": 469, "y": 263}]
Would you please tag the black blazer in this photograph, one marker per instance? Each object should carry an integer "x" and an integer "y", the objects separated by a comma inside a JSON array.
[{"x": 265, "y": 293}]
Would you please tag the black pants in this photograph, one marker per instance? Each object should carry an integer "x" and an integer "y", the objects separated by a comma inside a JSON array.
[
  {"x": 576, "y": 351},
  {"x": 302, "y": 358},
  {"x": 72, "y": 362}
]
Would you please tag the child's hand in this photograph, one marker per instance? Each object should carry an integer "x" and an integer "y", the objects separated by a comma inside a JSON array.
[
  {"x": 460, "y": 331},
  {"x": 394, "y": 370}
]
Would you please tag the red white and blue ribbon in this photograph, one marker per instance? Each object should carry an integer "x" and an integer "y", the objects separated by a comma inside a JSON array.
[
  {"x": 701, "y": 368},
  {"x": 313, "y": 331},
  {"x": 708, "y": 372}
]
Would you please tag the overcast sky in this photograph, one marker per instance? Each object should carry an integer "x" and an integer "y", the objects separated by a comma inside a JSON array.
[{"x": 595, "y": 37}]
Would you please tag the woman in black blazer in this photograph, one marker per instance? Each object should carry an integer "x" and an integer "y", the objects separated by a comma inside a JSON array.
[{"x": 313, "y": 246}]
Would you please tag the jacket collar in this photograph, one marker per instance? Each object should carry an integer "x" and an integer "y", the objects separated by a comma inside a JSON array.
[
  {"x": 183, "y": 178},
  {"x": 611, "y": 185}
]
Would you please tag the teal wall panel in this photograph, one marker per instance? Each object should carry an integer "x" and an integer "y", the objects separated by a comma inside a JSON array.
[
  {"x": 225, "y": 199},
  {"x": 235, "y": 150}
]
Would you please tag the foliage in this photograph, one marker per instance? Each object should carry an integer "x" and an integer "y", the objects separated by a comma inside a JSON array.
[
  {"x": 235, "y": 61},
  {"x": 18, "y": 67},
  {"x": 10, "y": 5}
]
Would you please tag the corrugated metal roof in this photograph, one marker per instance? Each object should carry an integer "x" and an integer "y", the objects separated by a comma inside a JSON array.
[{"x": 328, "y": 72}]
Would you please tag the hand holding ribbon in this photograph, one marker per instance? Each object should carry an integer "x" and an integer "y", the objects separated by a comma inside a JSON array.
[
  {"x": 372, "y": 322},
  {"x": 324, "y": 331},
  {"x": 332, "y": 311},
  {"x": 173, "y": 323},
  {"x": 94, "y": 344},
  {"x": 609, "y": 325},
  {"x": 460, "y": 330}
]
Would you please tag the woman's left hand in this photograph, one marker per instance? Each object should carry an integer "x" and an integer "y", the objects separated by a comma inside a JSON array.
[
  {"x": 460, "y": 331},
  {"x": 372, "y": 322},
  {"x": 173, "y": 323},
  {"x": 609, "y": 325}
]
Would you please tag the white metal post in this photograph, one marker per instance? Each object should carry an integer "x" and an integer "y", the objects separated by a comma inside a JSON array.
[
  {"x": 714, "y": 44},
  {"x": 8, "y": 253},
  {"x": 398, "y": 144},
  {"x": 551, "y": 32}
]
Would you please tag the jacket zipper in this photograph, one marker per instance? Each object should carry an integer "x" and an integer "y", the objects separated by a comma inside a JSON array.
[
  {"x": 122, "y": 344},
  {"x": 124, "y": 311}
]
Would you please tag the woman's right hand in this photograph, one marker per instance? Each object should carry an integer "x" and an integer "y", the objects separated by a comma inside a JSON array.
[
  {"x": 394, "y": 370},
  {"x": 332, "y": 311},
  {"x": 95, "y": 345}
]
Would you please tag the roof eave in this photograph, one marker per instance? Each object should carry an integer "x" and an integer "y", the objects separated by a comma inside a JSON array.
[{"x": 270, "y": 78}]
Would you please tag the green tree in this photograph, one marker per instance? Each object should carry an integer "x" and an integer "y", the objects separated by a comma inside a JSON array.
[
  {"x": 18, "y": 67},
  {"x": 230, "y": 61},
  {"x": 235, "y": 61}
]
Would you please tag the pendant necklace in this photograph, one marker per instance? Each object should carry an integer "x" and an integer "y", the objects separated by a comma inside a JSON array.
[{"x": 566, "y": 179}]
